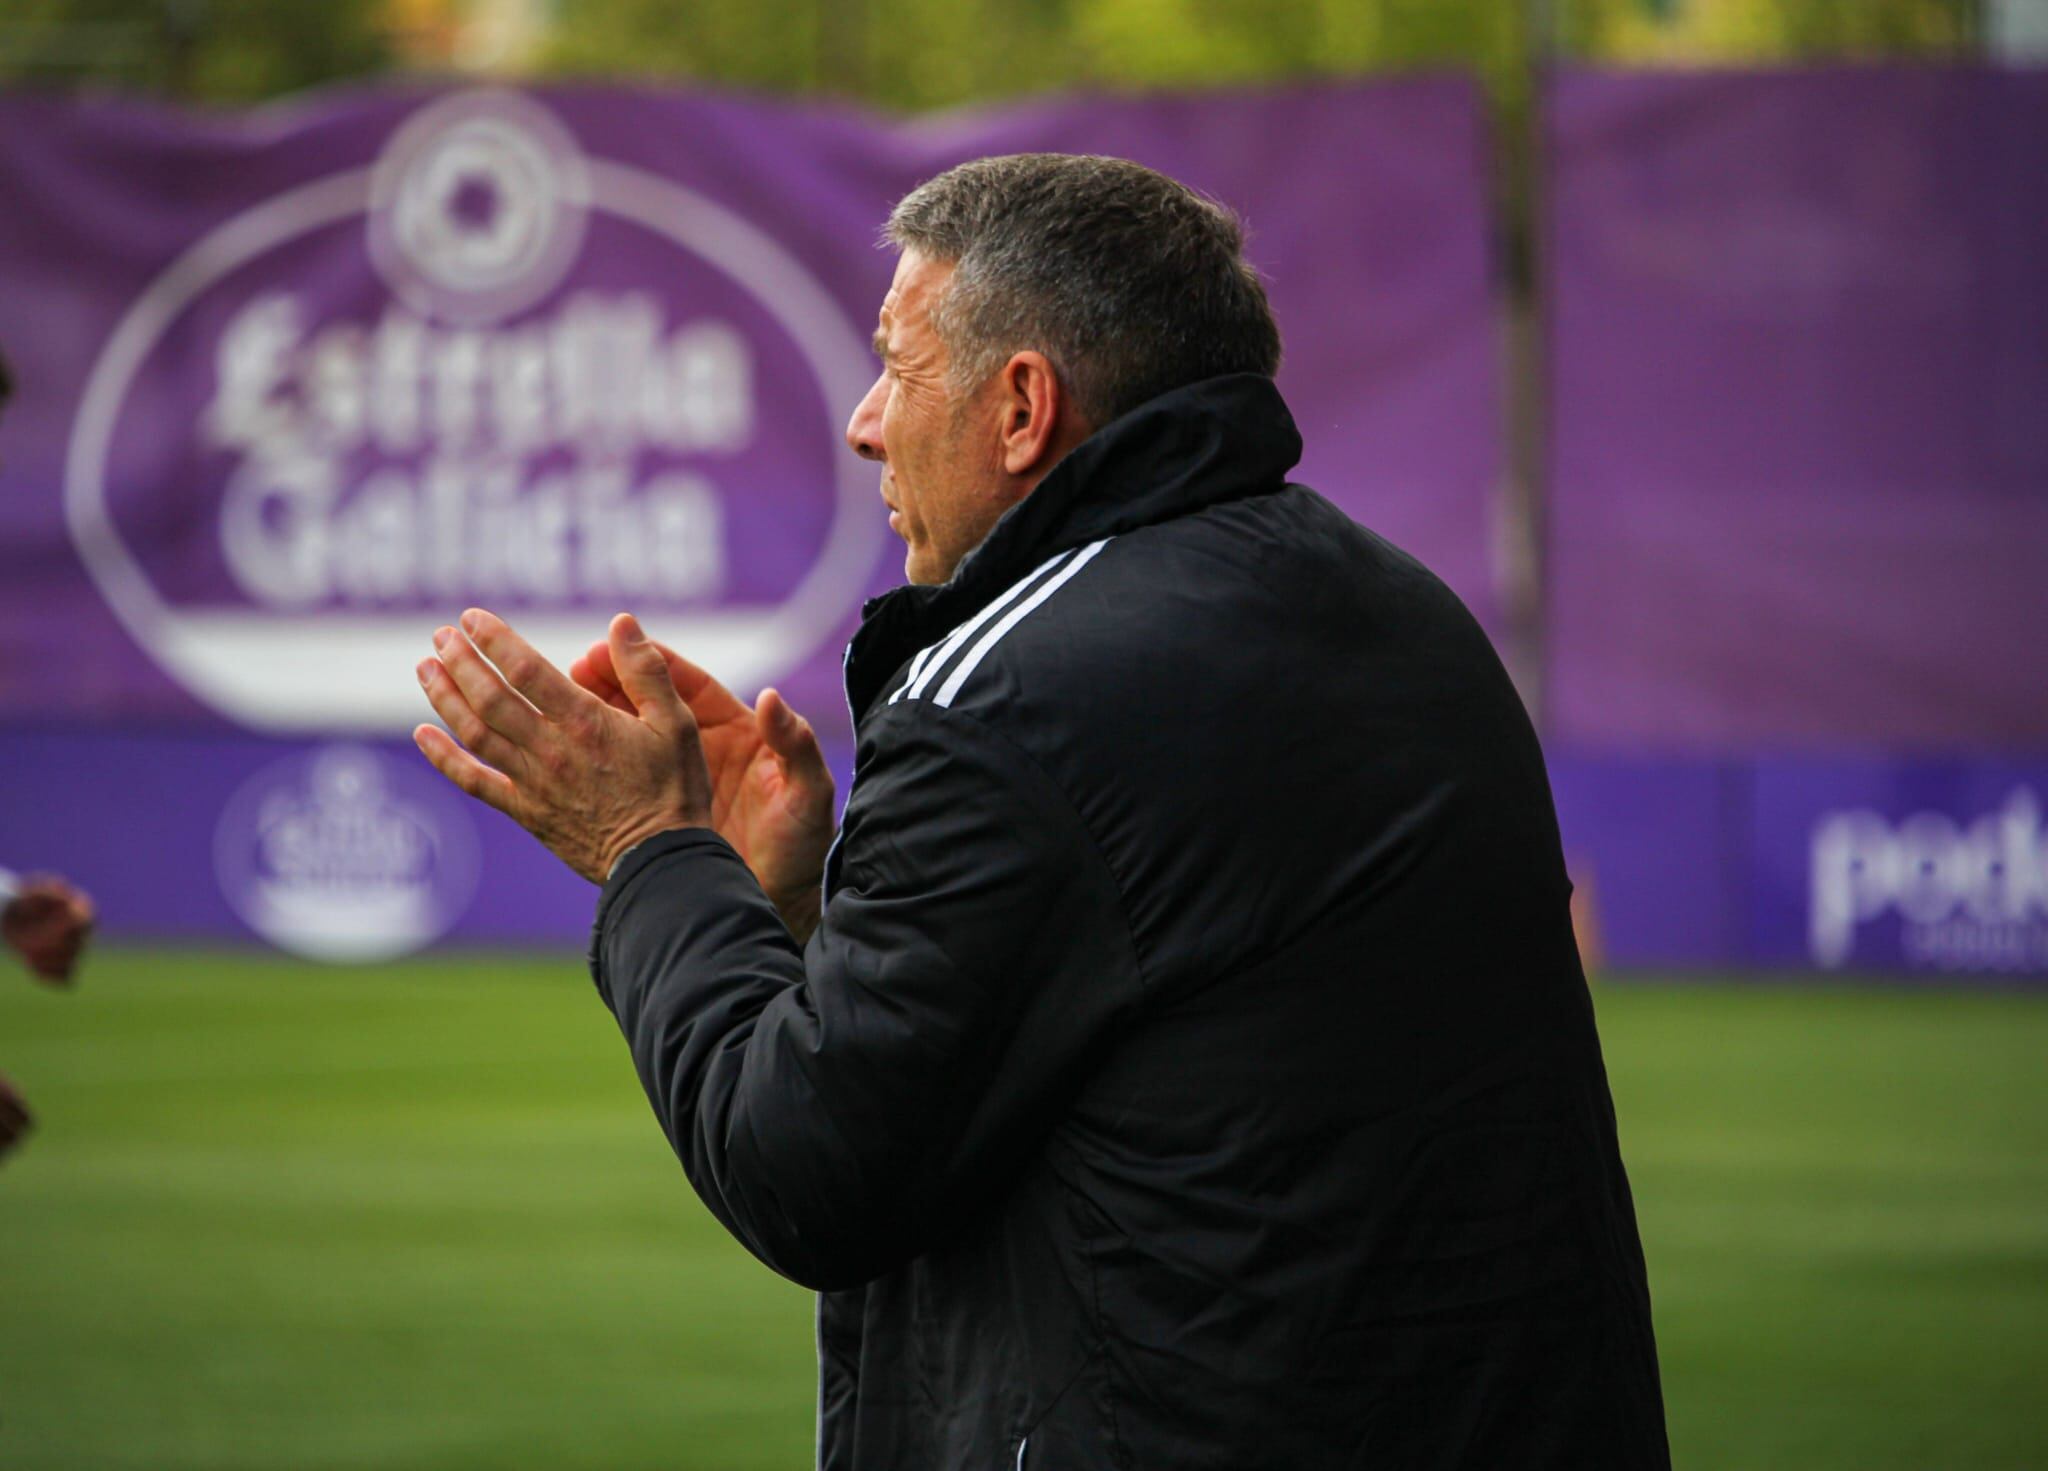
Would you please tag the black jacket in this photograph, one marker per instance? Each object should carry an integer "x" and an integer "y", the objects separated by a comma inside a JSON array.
[{"x": 1193, "y": 1067}]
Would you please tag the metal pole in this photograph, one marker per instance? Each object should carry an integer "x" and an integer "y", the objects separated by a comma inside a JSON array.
[{"x": 1525, "y": 507}]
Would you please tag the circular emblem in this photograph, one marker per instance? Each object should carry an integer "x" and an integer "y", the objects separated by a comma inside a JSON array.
[
  {"x": 477, "y": 207},
  {"x": 341, "y": 855}
]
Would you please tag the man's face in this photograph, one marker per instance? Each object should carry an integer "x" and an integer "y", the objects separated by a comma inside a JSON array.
[{"x": 940, "y": 451}]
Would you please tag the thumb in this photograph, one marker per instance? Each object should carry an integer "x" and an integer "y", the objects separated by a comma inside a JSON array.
[
  {"x": 792, "y": 740},
  {"x": 643, "y": 675}
]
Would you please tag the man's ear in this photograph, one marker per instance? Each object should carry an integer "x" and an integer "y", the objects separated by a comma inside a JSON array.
[{"x": 1038, "y": 418}]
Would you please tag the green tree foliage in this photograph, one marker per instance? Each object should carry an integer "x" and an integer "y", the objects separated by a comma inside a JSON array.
[
  {"x": 912, "y": 54},
  {"x": 1780, "y": 30},
  {"x": 220, "y": 50},
  {"x": 928, "y": 53}
]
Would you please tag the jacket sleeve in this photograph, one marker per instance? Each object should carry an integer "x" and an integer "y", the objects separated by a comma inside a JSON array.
[{"x": 844, "y": 1109}]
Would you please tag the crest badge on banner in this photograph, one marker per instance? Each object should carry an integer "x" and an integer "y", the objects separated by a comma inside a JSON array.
[{"x": 344, "y": 854}]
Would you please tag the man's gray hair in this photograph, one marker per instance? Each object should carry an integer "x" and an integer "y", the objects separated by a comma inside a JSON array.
[{"x": 1131, "y": 283}]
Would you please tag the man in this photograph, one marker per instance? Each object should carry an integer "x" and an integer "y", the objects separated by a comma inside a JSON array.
[{"x": 1190, "y": 1065}]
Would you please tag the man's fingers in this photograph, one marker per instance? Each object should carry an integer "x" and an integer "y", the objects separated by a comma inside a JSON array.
[
  {"x": 453, "y": 707},
  {"x": 592, "y": 670},
  {"x": 486, "y": 691},
  {"x": 493, "y": 788},
  {"x": 793, "y": 741},
  {"x": 709, "y": 701},
  {"x": 585, "y": 675},
  {"x": 546, "y": 687},
  {"x": 644, "y": 675},
  {"x": 597, "y": 660}
]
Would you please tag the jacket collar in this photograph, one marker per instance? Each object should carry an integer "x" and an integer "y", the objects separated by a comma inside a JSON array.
[{"x": 1218, "y": 440}]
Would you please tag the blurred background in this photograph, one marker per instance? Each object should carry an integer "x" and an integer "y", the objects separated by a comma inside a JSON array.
[{"x": 1701, "y": 345}]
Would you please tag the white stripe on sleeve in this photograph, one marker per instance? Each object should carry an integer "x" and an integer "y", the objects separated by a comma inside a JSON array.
[
  {"x": 1015, "y": 616},
  {"x": 925, "y": 667}
]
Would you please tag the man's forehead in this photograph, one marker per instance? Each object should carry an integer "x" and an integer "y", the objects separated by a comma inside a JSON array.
[
  {"x": 905, "y": 316},
  {"x": 909, "y": 298}
]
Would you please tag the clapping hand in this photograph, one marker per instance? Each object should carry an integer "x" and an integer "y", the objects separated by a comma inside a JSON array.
[
  {"x": 590, "y": 779},
  {"x": 771, "y": 792}
]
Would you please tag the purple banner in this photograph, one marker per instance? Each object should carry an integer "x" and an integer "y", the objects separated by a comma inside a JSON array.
[
  {"x": 1799, "y": 475},
  {"x": 1928, "y": 868},
  {"x": 297, "y": 385}
]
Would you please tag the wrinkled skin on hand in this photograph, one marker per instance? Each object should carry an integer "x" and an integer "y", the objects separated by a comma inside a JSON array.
[
  {"x": 47, "y": 924},
  {"x": 589, "y": 779},
  {"x": 771, "y": 792}
]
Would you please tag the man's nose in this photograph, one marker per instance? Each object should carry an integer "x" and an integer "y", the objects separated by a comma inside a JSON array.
[{"x": 864, "y": 429}]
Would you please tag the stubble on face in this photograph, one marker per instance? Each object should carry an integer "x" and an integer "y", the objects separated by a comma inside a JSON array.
[{"x": 942, "y": 484}]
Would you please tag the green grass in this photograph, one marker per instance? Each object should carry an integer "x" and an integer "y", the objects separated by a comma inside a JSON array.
[
  {"x": 288, "y": 1218},
  {"x": 1844, "y": 1200}
]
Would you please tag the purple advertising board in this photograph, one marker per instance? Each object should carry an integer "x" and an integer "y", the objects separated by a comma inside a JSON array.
[
  {"x": 1798, "y": 483},
  {"x": 1936, "y": 868},
  {"x": 297, "y": 385},
  {"x": 1656, "y": 848},
  {"x": 338, "y": 850},
  {"x": 1933, "y": 869}
]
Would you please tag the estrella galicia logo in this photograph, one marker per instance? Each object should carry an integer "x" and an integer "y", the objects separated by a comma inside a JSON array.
[
  {"x": 1965, "y": 895},
  {"x": 342, "y": 855},
  {"x": 482, "y": 364}
]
